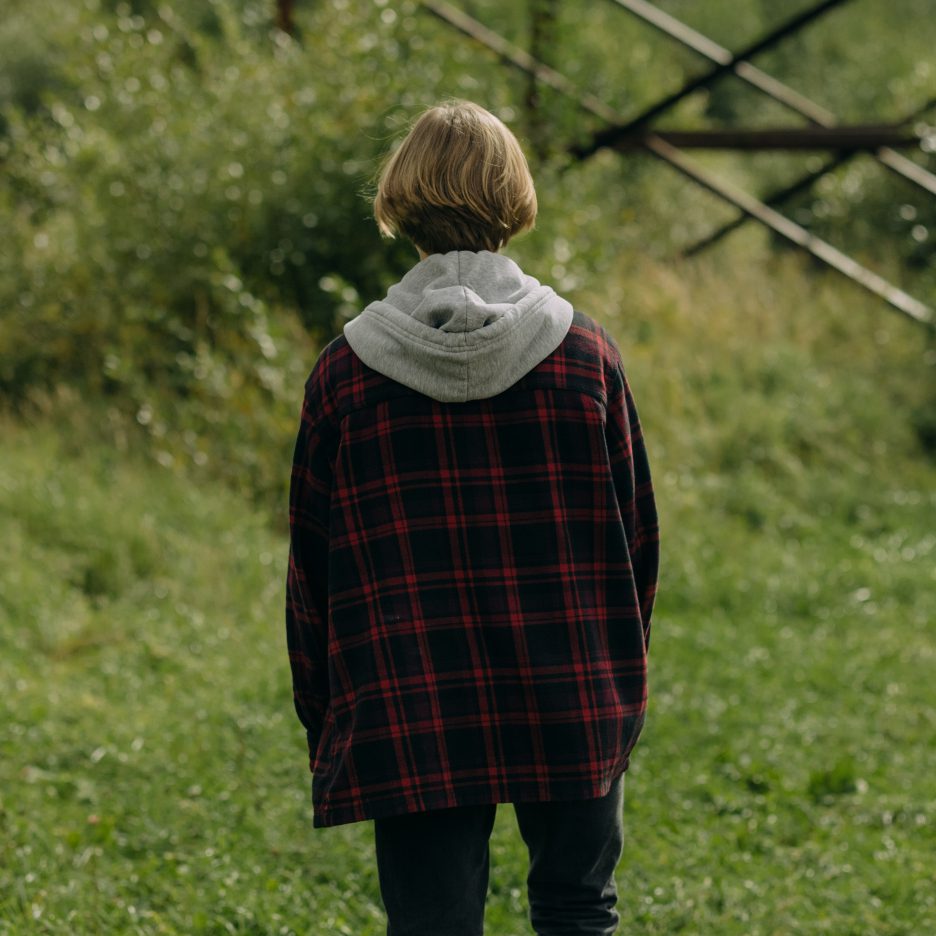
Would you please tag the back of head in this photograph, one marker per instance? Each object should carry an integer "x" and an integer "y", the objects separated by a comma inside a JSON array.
[{"x": 458, "y": 181}]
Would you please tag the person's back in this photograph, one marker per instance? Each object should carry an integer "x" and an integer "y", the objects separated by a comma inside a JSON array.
[{"x": 474, "y": 557}]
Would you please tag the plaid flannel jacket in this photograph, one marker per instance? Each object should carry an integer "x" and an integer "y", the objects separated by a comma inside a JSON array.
[{"x": 470, "y": 585}]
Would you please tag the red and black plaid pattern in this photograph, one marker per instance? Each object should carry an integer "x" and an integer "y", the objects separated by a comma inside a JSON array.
[{"x": 470, "y": 585}]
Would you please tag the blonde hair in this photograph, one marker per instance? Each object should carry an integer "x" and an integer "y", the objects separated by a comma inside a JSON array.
[{"x": 458, "y": 181}]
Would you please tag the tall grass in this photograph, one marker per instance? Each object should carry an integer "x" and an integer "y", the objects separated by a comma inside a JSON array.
[{"x": 153, "y": 776}]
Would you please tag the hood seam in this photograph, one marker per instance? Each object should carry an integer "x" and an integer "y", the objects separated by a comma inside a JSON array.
[
  {"x": 386, "y": 322},
  {"x": 465, "y": 330}
]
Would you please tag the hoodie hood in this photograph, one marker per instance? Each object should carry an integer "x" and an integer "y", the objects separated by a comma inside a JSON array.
[{"x": 459, "y": 326}]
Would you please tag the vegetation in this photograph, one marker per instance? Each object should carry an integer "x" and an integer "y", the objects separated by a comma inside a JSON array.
[{"x": 184, "y": 228}]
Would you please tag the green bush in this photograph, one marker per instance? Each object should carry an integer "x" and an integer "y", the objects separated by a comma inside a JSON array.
[
  {"x": 184, "y": 212},
  {"x": 169, "y": 190}
]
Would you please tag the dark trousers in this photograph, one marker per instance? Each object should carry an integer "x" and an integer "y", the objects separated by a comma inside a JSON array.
[{"x": 433, "y": 867}]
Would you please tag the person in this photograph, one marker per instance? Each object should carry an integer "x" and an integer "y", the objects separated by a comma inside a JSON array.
[{"x": 474, "y": 553}]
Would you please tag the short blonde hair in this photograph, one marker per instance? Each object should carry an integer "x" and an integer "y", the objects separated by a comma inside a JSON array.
[{"x": 458, "y": 181}]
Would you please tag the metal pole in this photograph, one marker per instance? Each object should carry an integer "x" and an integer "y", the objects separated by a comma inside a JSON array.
[
  {"x": 783, "y": 94},
  {"x": 519, "y": 58},
  {"x": 795, "y": 233},
  {"x": 609, "y": 136},
  {"x": 804, "y": 183},
  {"x": 778, "y": 138},
  {"x": 907, "y": 169}
]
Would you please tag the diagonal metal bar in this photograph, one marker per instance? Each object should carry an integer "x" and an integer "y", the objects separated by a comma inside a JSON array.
[
  {"x": 669, "y": 154},
  {"x": 693, "y": 39},
  {"x": 802, "y": 184},
  {"x": 907, "y": 168},
  {"x": 794, "y": 232},
  {"x": 805, "y": 182},
  {"x": 610, "y": 135},
  {"x": 783, "y": 94},
  {"x": 519, "y": 58}
]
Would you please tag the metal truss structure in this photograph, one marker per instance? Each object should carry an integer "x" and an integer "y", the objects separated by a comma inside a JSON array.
[{"x": 823, "y": 131}]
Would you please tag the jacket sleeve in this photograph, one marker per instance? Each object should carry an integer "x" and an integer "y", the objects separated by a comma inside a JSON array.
[
  {"x": 307, "y": 574},
  {"x": 630, "y": 468}
]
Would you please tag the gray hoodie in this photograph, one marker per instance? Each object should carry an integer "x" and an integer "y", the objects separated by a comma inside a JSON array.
[{"x": 463, "y": 325}]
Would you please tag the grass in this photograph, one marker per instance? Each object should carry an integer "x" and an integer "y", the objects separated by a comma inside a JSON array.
[{"x": 153, "y": 775}]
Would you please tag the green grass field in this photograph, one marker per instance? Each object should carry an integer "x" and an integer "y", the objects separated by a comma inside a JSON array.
[{"x": 153, "y": 776}]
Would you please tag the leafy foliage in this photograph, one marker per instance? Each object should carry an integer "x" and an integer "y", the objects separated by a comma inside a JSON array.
[
  {"x": 184, "y": 186},
  {"x": 184, "y": 207}
]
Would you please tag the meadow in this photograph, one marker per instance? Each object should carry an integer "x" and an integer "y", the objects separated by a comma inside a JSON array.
[
  {"x": 153, "y": 776},
  {"x": 185, "y": 224}
]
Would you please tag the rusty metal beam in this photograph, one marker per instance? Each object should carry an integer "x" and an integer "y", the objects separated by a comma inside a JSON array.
[
  {"x": 693, "y": 39},
  {"x": 855, "y": 138},
  {"x": 924, "y": 179},
  {"x": 284, "y": 16},
  {"x": 777, "y": 90},
  {"x": 543, "y": 19},
  {"x": 519, "y": 58},
  {"x": 794, "y": 232},
  {"x": 778, "y": 197},
  {"x": 610, "y": 135}
]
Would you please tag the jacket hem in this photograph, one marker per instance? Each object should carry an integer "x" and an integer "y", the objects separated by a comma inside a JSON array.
[{"x": 526, "y": 792}]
